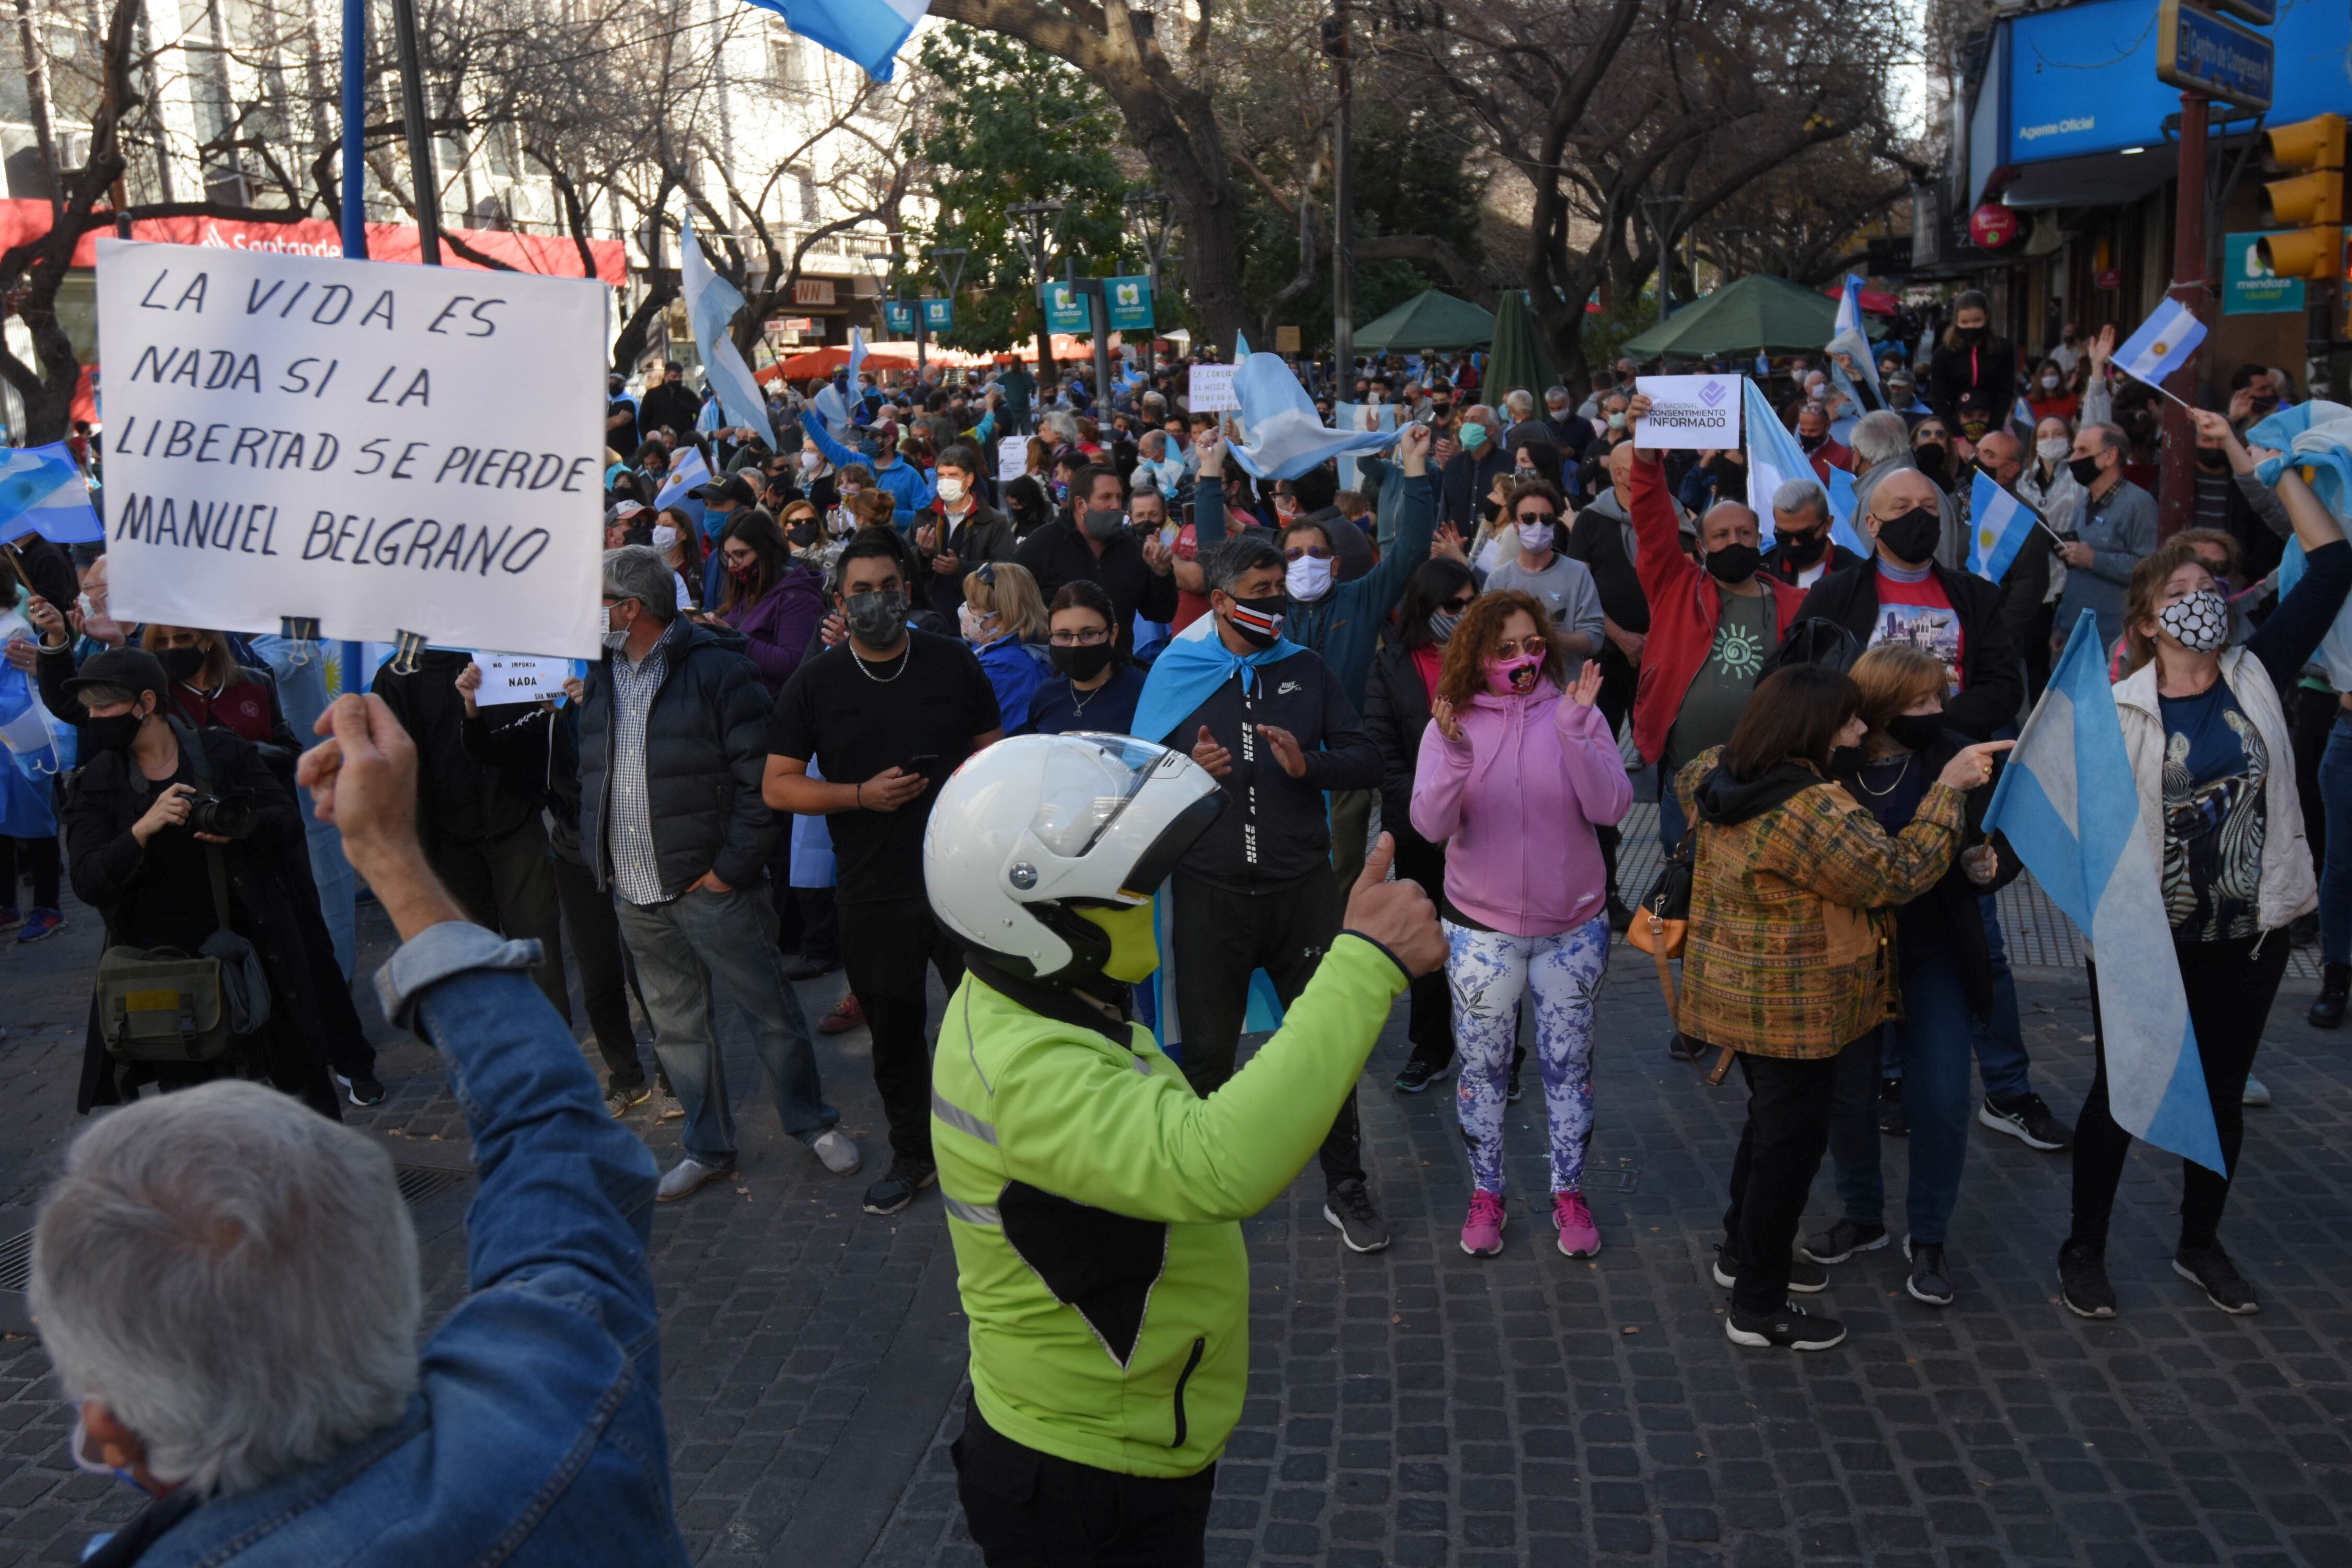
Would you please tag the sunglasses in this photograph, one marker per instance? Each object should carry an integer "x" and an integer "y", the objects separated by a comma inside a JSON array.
[
  {"x": 1312, "y": 552},
  {"x": 1545, "y": 515},
  {"x": 1459, "y": 605}
]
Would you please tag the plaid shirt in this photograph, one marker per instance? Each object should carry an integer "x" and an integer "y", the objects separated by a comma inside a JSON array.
[
  {"x": 1791, "y": 916},
  {"x": 628, "y": 821}
]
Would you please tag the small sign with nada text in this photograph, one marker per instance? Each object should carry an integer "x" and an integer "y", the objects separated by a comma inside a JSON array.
[
  {"x": 1689, "y": 411},
  {"x": 513, "y": 677}
]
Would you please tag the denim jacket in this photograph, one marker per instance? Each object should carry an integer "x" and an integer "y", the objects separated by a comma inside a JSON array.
[{"x": 536, "y": 1436}]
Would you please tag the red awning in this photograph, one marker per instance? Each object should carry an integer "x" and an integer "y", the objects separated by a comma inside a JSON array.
[
  {"x": 818, "y": 363},
  {"x": 547, "y": 255},
  {"x": 1874, "y": 300}
]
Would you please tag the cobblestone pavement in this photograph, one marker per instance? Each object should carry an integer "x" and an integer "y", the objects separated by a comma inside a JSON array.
[{"x": 1421, "y": 1406}]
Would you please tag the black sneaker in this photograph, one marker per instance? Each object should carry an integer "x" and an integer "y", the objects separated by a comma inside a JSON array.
[
  {"x": 898, "y": 1188},
  {"x": 1417, "y": 1076},
  {"x": 797, "y": 969},
  {"x": 1512, "y": 1093},
  {"x": 1931, "y": 1277},
  {"x": 2029, "y": 1121},
  {"x": 2211, "y": 1267},
  {"x": 2335, "y": 991},
  {"x": 1893, "y": 1121},
  {"x": 1348, "y": 1209},
  {"x": 1789, "y": 1329},
  {"x": 1841, "y": 1241},
  {"x": 623, "y": 1098},
  {"x": 1680, "y": 1048},
  {"x": 2083, "y": 1281},
  {"x": 1805, "y": 1278},
  {"x": 361, "y": 1089}
]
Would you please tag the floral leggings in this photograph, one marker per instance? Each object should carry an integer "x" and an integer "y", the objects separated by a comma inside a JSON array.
[{"x": 1488, "y": 971}]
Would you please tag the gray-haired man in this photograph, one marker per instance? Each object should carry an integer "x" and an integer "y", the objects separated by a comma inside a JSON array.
[
  {"x": 1802, "y": 552},
  {"x": 673, "y": 740}
]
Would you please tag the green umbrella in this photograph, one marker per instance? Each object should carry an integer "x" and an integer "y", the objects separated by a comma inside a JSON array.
[
  {"x": 1430, "y": 320},
  {"x": 1756, "y": 312},
  {"x": 1520, "y": 357}
]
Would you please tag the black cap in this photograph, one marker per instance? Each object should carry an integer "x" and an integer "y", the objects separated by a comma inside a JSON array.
[
  {"x": 132, "y": 670},
  {"x": 734, "y": 488}
]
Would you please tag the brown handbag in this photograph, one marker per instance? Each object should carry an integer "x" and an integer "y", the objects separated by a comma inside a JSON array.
[{"x": 1660, "y": 928}]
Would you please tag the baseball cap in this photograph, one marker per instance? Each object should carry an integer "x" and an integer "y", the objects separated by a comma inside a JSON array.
[
  {"x": 132, "y": 670},
  {"x": 734, "y": 488}
]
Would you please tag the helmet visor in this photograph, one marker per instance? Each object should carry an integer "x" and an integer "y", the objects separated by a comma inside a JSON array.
[{"x": 1084, "y": 792}]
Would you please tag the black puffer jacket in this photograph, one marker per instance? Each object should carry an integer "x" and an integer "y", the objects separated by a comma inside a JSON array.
[
  {"x": 706, "y": 747},
  {"x": 1396, "y": 712}
]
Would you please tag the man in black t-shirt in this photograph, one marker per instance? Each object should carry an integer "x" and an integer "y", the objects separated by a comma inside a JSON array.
[{"x": 885, "y": 717}]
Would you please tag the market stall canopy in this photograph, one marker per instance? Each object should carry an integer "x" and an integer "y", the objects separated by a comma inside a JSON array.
[
  {"x": 817, "y": 364},
  {"x": 1430, "y": 320},
  {"x": 1756, "y": 312},
  {"x": 1877, "y": 301},
  {"x": 1520, "y": 358}
]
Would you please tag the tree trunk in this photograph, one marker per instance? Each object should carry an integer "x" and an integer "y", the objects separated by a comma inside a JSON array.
[{"x": 637, "y": 328}]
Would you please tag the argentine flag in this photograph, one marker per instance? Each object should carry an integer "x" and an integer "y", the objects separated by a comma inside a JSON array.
[
  {"x": 1283, "y": 437},
  {"x": 1774, "y": 459},
  {"x": 1851, "y": 339},
  {"x": 2000, "y": 525},
  {"x": 42, "y": 492},
  {"x": 2163, "y": 344},
  {"x": 711, "y": 306},
  {"x": 2072, "y": 811},
  {"x": 687, "y": 473},
  {"x": 868, "y": 33}
]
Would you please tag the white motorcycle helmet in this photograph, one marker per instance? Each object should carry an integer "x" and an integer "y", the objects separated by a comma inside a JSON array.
[{"x": 1031, "y": 827}]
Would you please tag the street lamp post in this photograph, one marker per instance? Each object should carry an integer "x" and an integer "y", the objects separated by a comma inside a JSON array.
[
  {"x": 1034, "y": 216},
  {"x": 420, "y": 133}
]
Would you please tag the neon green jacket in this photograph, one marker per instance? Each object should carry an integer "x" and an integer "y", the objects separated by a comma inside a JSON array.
[{"x": 1095, "y": 1202}]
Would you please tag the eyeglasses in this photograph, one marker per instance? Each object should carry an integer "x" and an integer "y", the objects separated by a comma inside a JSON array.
[
  {"x": 1313, "y": 552},
  {"x": 1511, "y": 648},
  {"x": 1093, "y": 636}
]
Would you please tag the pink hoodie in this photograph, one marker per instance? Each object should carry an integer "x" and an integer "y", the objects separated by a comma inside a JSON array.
[{"x": 1514, "y": 802}]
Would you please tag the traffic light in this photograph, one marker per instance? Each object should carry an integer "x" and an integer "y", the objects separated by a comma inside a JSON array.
[{"x": 2310, "y": 201}]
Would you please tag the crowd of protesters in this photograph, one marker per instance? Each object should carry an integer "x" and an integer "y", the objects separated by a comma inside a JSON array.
[{"x": 1456, "y": 663}]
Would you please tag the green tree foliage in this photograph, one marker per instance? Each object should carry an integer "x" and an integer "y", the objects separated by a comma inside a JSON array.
[{"x": 1012, "y": 124}]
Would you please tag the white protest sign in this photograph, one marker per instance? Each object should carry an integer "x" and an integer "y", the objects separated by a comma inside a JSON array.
[
  {"x": 1011, "y": 458},
  {"x": 382, "y": 448},
  {"x": 1211, "y": 390},
  {"x": 1689, "y": 411},
  {"x": 516, "y": 678}
]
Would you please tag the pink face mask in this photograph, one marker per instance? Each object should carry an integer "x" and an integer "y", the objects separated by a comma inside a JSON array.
[{"x": 1510, "y": 676}]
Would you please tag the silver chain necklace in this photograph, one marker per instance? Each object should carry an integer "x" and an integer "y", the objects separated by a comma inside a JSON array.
[{"x": 905, "y": 654}]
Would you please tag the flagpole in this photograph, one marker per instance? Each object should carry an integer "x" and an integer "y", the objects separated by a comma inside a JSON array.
[
  {"x": 354, "y": 197},
  {"x": 2177, "y": 490}
]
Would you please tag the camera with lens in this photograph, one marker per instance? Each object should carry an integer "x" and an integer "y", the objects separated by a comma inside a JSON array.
[{"x": 223, "y": 815}]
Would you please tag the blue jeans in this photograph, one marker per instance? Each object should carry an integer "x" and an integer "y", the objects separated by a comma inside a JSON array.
[
  {"x": 701, "y": 946},
  {"x": 2336, "y": 876},
  {"x": 1671, "y": 825},
  {"x": 2001, "y": 1060},
  {"x": 1932, "y": 1038}
]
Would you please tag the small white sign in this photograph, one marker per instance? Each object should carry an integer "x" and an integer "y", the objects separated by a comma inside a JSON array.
[
  {"x": 1011, "y": 458},
  {"x": 514, "y": 677},
  {"x": 1212, "y": 389},
  {"x": 1689, "y": 411}
]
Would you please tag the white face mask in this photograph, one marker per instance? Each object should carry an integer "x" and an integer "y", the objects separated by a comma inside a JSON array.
[
  {"x": 1307, "y": 579},
  {"x": 614, "y": 640},
  {"x": 951, "y": 491},
  {"x": 2054, "y": 450},
  {"x": 2049, "y": 384},
  {"x": 664, "y": 536},
  {"x": 977, "y": 627},
  {"x": 1534, "y": 538},
  {"x": 1616, "y": 422}
]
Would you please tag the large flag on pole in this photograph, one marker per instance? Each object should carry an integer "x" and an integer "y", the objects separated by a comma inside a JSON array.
[
  {"x": 42, "y": 492},
  {"x": 1774, "y": 459},
  {"x": 1851, "y": 339},
  {"x": 868, "y": 33},
  {"x": 711, "y": 305},
  {"x": 2000, "y": 525},
  {"x": 2072, "y": 811},
  {"x": 2163, "y": 344},
  {"x": 1282, "y": 435}
]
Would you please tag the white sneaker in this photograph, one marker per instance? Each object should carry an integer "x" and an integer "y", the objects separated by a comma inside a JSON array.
[
  {"x": 2255, "y": 1095},
  {"x": 689, "y": 1176},
  {"x": 839, "y": 1153}
]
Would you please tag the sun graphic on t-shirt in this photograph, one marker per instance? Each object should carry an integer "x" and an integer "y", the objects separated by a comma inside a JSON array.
[{"x": 1740, "y": 651}]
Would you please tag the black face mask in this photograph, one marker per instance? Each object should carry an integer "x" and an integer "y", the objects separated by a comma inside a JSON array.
[
  {"x": 1931, "y": 459},
  {"x": 1081, "y": 662},
  {"x": 182, "y": 663},
  {"x": 1733, "y": 562},
  {"x": 1845, "y": 761},
  {"x": 1803, "y": 549},
  {"x": 877, "y": 620},
  {"x": 1102, "y": 525},
  {"x": 1271, "y": 607},
  {"x": 114, "y": 733},
  {"x": 1812, "y": 443},
  {"x": 1913, "y": 536},
  {"x": 2213, "y": 458},
  {"x": 806, "y": 531},
  {"x": 1916, "y": 731},
  {"x": 1974, "y": 335},
  {"x": 2085, "y": 470}
]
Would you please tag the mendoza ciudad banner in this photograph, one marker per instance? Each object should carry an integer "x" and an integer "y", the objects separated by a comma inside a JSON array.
[{"x": 383, "y": 450}]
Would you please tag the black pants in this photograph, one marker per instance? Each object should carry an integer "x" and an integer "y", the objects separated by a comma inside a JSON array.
[
  {"x": 1221, "y": 937},
  {"x": 595, "y": 933},
  {"x": 1781, "y": 1150},
  {"x": 2313, "y": 718},
  {"x": 1028, "y": 1509},
  {"x": 507, "y": 885},
  {"x": 2230, "y": 988},
  {"x": 820, "y": 925},
  {"x": 1429, "y": 1023},
  {"x": 885, "y": 947},
  {"x": 2037, "y": 652},
  {"x": 37, "y": 859}
]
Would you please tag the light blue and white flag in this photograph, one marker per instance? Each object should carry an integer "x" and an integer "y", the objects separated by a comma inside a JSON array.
[
  {"x": 2000, "y": 525},
  {"x": 2072, "y": 811},
  {"x": 2315, "y": 439},
  {"x": 711, "y": 305},
  {"x": 1851, "y": 339},
  {"x": 687, "y": 473},
  {"x": 856, "y": 353},
  {"x": 2022, "y": 417},
  {"x": 868, "y": 33},
  {"x": 2163, "y": 344},
  {"x": 1282, "y": 435},
  {"x": 1774, "y": 459},
  {"x": 42, "y": 492}
]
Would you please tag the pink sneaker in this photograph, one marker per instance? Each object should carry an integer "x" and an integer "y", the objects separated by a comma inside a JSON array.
[
  {"x": 1482, "y": 1233},
  {"x": 1578, "y": 1237}
]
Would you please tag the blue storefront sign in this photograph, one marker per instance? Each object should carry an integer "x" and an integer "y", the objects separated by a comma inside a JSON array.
[
  {"x": 1065, "y": 309},
  {"x": 899, "y": 317},
  {"x": 939, "y": 315},
  {"x": 2198, "y": 52},
  {"x": 2249, "y": 287}
]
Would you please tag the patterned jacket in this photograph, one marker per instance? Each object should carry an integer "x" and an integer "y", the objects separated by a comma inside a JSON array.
[{"x": 1791, "y": 912}]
